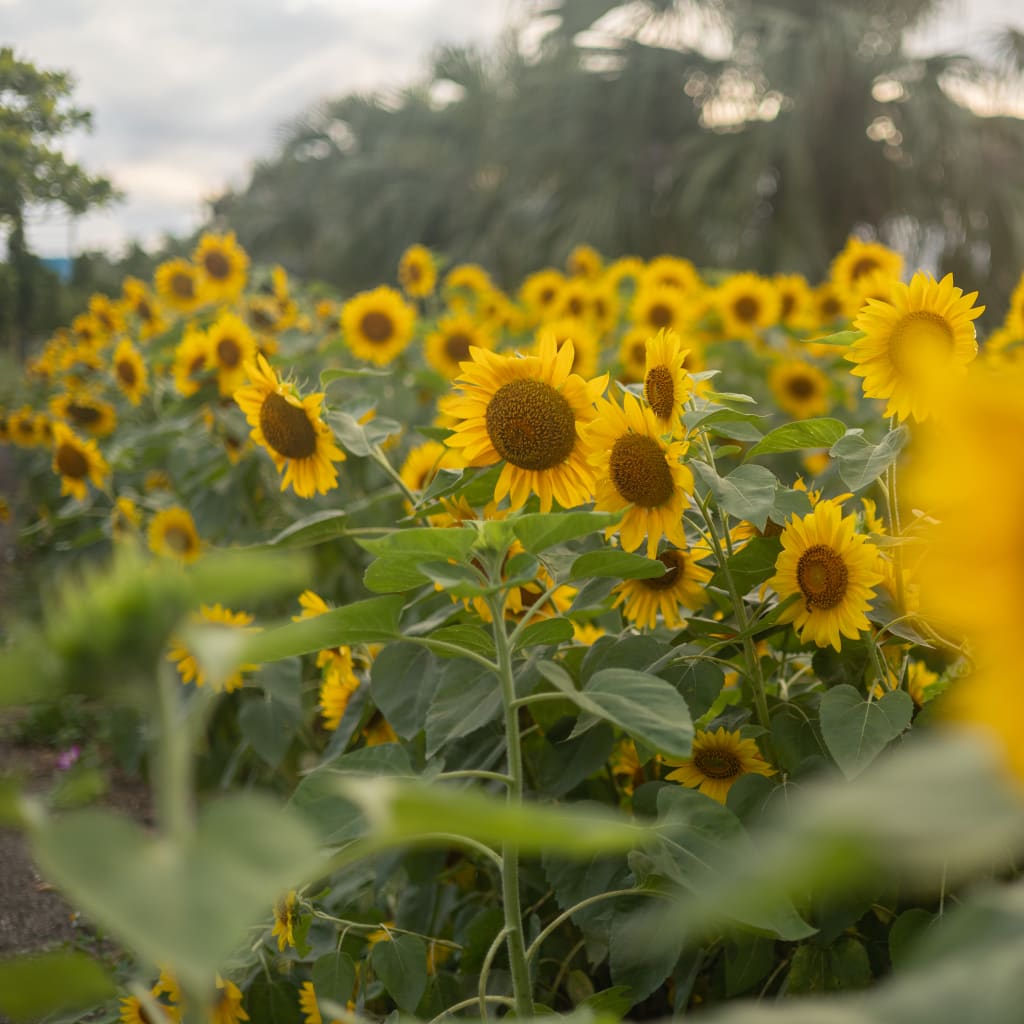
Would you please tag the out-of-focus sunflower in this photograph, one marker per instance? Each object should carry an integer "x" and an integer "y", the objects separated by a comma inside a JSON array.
[
  {"x": 467, "y": 282},
  {"x": 229, "y": 346},
  {"x": 378, "y": 324},
  {"x": 130, "y": 371},
  {"x": 832, "y": 570},
  {"x": 185, "y": 660},
  {"x": 680, "y": 588},
  {"x": 133, "y": 1012},
  {"x": 191, "y": 361},
  {"x": 291, "y": 429},
  {"x": 87, "y": 330},
  {"x": 286, "y": 917},
  {"x": 667, "y": 385},
  {"x": 747, "y": 304},
  {"x": 857, "y": 259},
  {"x": 828, "y": 306},
  {"x": 139, "y": 302},
  {"x": 586, "y": 348},
  {"x": 796, "y": 302},
  {"x": 105, "y": 312},
  {"x": 172, "y": 533},
  {"x": 914, "y": 345},
  {"x": 87, "y": 412},
  {"x": 800, "y": 388},
  {"x": 623, "y": 273},
  {"x": 660, "y": 306},
  {"x": 227, "y": 1006},
  {"x": 448, "y": 345},
  {"x": 673, "y": 272},
  {"x": 524, "y": 411},
  {"x": 223, "y": 265},
  {"x": 604, "y": 307},
  {"x": 423, "y": 462},
  {"x": 633, "y": 354},
  {"x": 417, "y": 272},
  {"x": 540, "y": 293},
  {"x": 584, "y": 261},
  {"x": 21, "y": 427},
  {"x": 574, "y": 300},
  {"x": 179, "y": 286},
  {"x": 718, "y": 761},
  {"x": 76, "y": 461},
  {"x": 125, "y": 518}
]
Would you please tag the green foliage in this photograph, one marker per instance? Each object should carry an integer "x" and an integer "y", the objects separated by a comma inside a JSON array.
[{"x": 32, "y": 987}]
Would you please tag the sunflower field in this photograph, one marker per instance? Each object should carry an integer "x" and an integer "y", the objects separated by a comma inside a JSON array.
[{"x": 636, "y": 643}]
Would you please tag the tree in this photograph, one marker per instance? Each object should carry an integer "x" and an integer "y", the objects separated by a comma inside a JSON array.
[{"x": 35, "y": 112}]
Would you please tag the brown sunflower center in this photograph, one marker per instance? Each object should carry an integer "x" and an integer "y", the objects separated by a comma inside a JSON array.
[
  {"x": 800, "y": 387},
  {"x": 229, "y": 352},
  {"x": 575, "y": 305},
  {"x": 660, "y": 315},
  {"x": 746, "y": 308},
  {"x": 144, "y": 310},
  {"x": 822, "y": 576},
  {"x": 865, "y": 265},
  {"x": 547, "y": 296},
  {"x": 83, "y": 415},
  {"x": 71, "y": 462},
  {"x": 197, "y": 365},
  {"x": 640, "y": 471},
  {"x": 638, "y": 350},
  {"x": 216, "y": 264},
  {"x": 531, "y": 425},
  {"x": 717, "y": 764},
  {"x": 262, "y": 318},
  {"x": 921, "y": 343},
  {"x": 830, "y": 307},
  {"x": 127, "y": 373},
  {"x": 183, "y": 286},
  {"x": 179, "y": 539},
  {"x": 377, "y": 327},
  {"x": 287, "y": 428},
  {"x": 675, "y": 566},
  {"x": 456, "y": 346},
  {"x": 26, "y": 428},
  {"x": 660, "y": 391},
  {"x": 788, "y": 302},
  {"x": 413, "y": 272}
]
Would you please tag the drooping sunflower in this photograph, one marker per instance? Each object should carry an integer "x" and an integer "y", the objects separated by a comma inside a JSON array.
[
  {"x": 673, "y": 272},
  {"x": 417, "y": 272},
  {"x": 448, "y": 345},
  {"x": 636, "y": 470},
  {"x": 229, "y": 346},
  {"x": 336, "y": 689},
  {"x": 185, "y": 661},
  {"x": 84, "y": 410},
  {"x": 681, "y": 587},
  {"x": 718, "y": 760},
  {"x": 291, "y": 430},
  {"x": 223, "y": 265},
  {"x": 584, "y": 261},
  {"x": 857, "y": 259},
  {"x": 540, "y": 293},
  {"x": 285, "y": 919},
  {"x": 75, "y": 461},
  {"x": 747, "y": 304},
  {"x": 130, "y": 371},
  {"x": 914, "y": 345},
  {"x": 378, "y": 324},
  {"x": 667, "y": 385},
  {"x": 227, "y": 1007},
  {"x": 586, "y": 349},
  {"x": 179, "y": 286},
  {"x": 191, "y": 360},
  {"x": 800, "y": 388},
  {"x": 172, "y": 532},
  {"x": 832, "y": 570},
  {"x": 524, "y": 411},
  {"x": 660, "y": 306}
]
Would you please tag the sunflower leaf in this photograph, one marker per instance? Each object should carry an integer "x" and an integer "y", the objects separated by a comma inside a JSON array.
[
  {"x": 618, "y": 564},
  {"x": 540, "y": 530},
  {"x": 860, "y": 462},
  {"x": 856, "y": 730},
  {"x": 813, "y": 433},
  {"x": 839, "y": 338}
]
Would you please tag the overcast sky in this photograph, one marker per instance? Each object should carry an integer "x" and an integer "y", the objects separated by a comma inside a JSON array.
[{"x": 186, "y": 93}]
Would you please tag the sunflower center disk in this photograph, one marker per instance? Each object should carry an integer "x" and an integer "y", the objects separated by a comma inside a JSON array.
[
  {"x": 660, "y": 315},
  {"x": 659, "y": 392},
  {"x": 640, "y": 471},
  {"x": 865, "y": 265},
  {"x": 717, "y": 764},
  {"x": 800, "y": 387},
  {"x": 673, "y": 562},
  {"x": 181, "y": 284},
  {"x": 287, "y": 428},
  {"x": 178, "y": 539},
  {"x": 457, "y": 347},
  {"x": 71, "y": 462},
  {"x": 822, "y": 576},
  {"x": 377, "y": 327},
  {"x": 746, "y": 309},
  {"x": 126, "y": 371},
  {"x": 531, "y": 425},
  {"x": 229, "y": 352},
  {"x": 217, "y": 265},
  {"x": 921, "y": 345},
  {"x": 83, "y": 415}
]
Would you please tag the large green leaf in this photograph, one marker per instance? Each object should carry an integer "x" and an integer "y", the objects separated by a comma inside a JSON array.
[
  {"x": 538, "y": 531},
  {"x": 856, "y": 731},
  {"x": 422, "y": 544},
  {"x": 312, "y": 529},
  {"x": 860, "y": 462},
  {"x": 813, "y": 433},
  {"x": 467, "y": 697},
  {"x": 33, "y": 986},
  {"x": 616, "y": 563},
  {"x": 401, "y": 965},
  {"x": 746, "y": 493},
  {"x": 403, "y": 681}
]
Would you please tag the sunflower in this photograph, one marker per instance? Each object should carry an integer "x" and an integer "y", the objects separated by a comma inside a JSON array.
[
  {"x": 230, "y": 345},
  {"x": 915, "y": 344},
  {"x": 828, "y": 306},
  {"x": 857, "y": 259},
  {"x": 87, "y": 330},
  {"x": 291, "y": 430},
  {"x": 130, "y": 371},
  {"x": 585, "y": 347},
  {"x": 227, "y": 1007},
  {"x": 75, "y": 461},
  {"x": 448, "y": 346},
  {"x": 584, "y": 261},
  {"x": 796, "y": 302},
  {"x": 637, "y": 471},
  {"x": 378, "y": 324},
  {"x": 525, "y": 596},
  {"x": 312, "y": 605},
  {"x": 672, "y": 272},
  {"x": 336, "y": 689},
  {"x": 467, "y": 282},
  {"x": 832, "y": 570},
  {"x": 308, "y": 1004},
  {"x": 417, "y": 272},
  {"x": 747, "y": 304},
  {"x": 524, "y": 411},
  {"x": 178, "y": 285},
  {"x": 285, "y": 918},
  {"x": 191, "y": 360},
  {"x": 660, "y": 306},
  {"x": 667, "y": 385},
  {"x": 125, "y": 518},
  {"x": 574, "y": 300},
  {"x": 106, "y": 314},
  {"x": 541, "y": 293},
  {"x": 682, "y": 586},
  {"x": 876, "y": 285},
  {"x": 133, "y": 1012},
  {"x": 83, "y": 410},
  {"x": 717, "y": 761},
  {"x": 138, "y": 301},
  {"x": 378, "y": 731},
  {"x": 223, "y": 265},
  {"x": 604, "y": 307},
  {"x": 423, "y": 462},
  {"x": 633, "y": 354},
  {"x": 800, "y": 388},
  {"x": 185, "y": 661},
  {"x": 172, "y": 532},
  {"x": 21, "y": 426},
  {"x": 1003, "y": 349},
  {"x": 287, "y": 307}
]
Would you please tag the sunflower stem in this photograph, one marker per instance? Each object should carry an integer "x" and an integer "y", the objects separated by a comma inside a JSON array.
[
  {"x": 378, "y": 456},
  {"x": 521, "y": 986},
  {"x": 174, "y": 777}
]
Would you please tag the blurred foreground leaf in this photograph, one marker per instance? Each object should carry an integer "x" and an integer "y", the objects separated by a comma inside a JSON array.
[{"x": 34, "y": 986}]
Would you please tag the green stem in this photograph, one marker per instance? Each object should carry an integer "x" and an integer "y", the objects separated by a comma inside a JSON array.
[
  {"x": 476, "y": 773},
  {"x": 174, "y": 777},
  {"x": 536, "y": 698},
  {"x": 485, "y": 971},
  {"x": 467, "y": 1003},
  {"x": 521, "y": 986}
]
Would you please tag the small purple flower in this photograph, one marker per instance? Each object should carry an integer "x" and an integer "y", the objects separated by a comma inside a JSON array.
[{"x": 66, "y": 758}]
